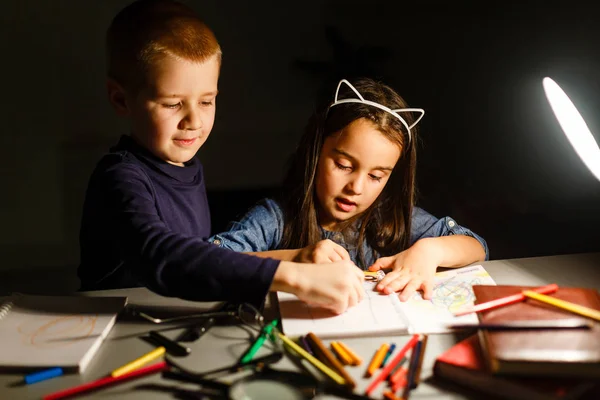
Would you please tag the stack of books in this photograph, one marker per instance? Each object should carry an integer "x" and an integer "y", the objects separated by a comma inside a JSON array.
[{"x": 530, "y": 363}]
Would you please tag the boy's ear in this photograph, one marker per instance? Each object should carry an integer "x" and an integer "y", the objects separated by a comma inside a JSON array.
[{"x": 117, "y": 97}]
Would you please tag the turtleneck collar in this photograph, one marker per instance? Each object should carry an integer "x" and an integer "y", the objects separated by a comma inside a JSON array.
[{"x": 186, "y": 174}]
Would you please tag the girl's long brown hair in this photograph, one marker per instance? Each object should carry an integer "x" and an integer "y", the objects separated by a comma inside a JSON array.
[{"x": 386, "y": 225}]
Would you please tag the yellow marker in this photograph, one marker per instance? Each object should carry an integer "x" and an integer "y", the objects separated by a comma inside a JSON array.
[
  {"x": 356, "y": 360},
  {"x": 135, "y": 364},
  {"x": 565, "y": 305},
  {"x": 322, "y": 367},
  {"x": 377, "y": 359},
  {"x": 345, "y": 357}
]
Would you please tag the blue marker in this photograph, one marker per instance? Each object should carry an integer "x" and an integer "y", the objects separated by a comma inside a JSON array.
[
  {"x": 389, "y": 353},
  {"x": 43, "y": 375}
]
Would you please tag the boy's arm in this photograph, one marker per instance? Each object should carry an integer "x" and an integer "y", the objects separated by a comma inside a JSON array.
[{"x": 169, "y": 262}]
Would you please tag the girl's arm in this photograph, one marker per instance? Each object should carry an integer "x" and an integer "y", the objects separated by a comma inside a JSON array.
[{"x": 455, "y": 250}]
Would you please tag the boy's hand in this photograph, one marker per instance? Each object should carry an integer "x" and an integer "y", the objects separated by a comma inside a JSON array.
[
  {"x": 411, "y": 270},
  {"x": 324, "y": 251},
  {"x": 333, "y": 286}
]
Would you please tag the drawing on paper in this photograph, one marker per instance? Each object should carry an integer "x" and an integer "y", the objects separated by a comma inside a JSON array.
[{"x": 57, "y": 332}]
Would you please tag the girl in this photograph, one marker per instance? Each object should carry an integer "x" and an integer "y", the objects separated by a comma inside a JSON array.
[{"x": 350, "y": 194}]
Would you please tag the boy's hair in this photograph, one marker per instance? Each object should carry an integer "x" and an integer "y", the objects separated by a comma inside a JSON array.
[
  {"x": 146, "y": 31},
  {"x": 386, "y": 225}
]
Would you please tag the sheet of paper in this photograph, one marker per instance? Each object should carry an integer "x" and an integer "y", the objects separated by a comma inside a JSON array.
[
  {"x": 379, "y": 314},
  {"x": 452, "y": 291},
  {"x": 375, "y": 314}
]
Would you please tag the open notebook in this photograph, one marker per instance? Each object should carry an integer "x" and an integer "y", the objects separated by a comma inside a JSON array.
[
  {"x": 379, "y": 314},
  {"x": 54, "y": 331}
]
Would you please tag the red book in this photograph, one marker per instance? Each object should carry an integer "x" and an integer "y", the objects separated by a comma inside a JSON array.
[{"x": 463, "y": 365}]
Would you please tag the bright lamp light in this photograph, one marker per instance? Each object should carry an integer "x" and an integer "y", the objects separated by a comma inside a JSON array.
[{"x": 573, "y": 126}]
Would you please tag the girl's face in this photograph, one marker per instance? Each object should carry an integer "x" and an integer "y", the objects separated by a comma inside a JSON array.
[{"x": 354, "y": 167}]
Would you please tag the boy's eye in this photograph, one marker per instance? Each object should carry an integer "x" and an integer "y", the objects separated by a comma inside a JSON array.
[
  {"x": 207, "y": 103},
  {"x": 171, "y": 106},
  {"x": 343, "y": 167}
]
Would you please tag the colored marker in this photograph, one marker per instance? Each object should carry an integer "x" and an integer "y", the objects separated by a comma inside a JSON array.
[
  {"x": 43, "y": 375},
  {"x": 377, "y": 359},
  {"x": 565, "y": 305},
  {"x": 260, "y": 340},
  {"x": 388, "y": 354}
]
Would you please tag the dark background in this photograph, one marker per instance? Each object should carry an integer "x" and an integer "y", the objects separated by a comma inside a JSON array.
[{"x": 491, "y": 153}]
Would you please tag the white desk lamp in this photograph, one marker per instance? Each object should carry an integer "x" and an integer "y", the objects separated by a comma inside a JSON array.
[{"x": 573, "y": 126}]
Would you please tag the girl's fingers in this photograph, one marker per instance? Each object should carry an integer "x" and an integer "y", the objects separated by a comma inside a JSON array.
[{"x": 410, "y": 289}]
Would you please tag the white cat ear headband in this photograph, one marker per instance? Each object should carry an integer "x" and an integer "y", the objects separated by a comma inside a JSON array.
[{"x": 380, "y": 106}]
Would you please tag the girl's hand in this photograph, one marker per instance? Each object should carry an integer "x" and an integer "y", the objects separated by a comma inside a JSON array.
[
  {"x": 324, "y": 251},
  {"x": 411, "y": 270}
]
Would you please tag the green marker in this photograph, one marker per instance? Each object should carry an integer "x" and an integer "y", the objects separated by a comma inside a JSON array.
[{"x": 264, "y": 333}]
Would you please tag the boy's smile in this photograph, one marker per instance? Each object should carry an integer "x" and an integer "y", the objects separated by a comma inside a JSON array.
[
  {"x": 354, "y": 166},
  {"x": 173, "y": 115}
]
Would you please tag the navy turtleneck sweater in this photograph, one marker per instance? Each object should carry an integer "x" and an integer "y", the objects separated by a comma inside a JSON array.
[{"x": 145, "y": 223}]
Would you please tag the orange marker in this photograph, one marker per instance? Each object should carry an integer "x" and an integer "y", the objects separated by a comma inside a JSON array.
[
  {"x": 377, "y": 359},
  {"x": 356, "y": 360},
  {"x": 342, "y": 355}
]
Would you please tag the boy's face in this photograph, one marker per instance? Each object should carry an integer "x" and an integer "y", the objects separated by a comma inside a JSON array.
[
  {"x": 173, "y": 115},
  {"x": 354, "y": 167}
]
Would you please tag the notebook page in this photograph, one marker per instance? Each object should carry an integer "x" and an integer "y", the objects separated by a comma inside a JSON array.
[
  {"x": 55, "y": 331},
  {"x": 377, "y": 314},
  {"x": 452, "y": 290}
]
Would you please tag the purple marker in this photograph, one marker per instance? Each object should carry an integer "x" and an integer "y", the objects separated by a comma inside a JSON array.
[{"x": 306, "y": 345}]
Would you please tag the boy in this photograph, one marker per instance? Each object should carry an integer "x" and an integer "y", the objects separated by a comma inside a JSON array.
[{"x": 146, "y": 217}]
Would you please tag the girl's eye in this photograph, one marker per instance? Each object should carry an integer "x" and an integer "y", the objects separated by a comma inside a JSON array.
[
  {"x": 343, "y": 167},
  {"x": 375, "y": 178},
  {"x": 172, "y": 106}
]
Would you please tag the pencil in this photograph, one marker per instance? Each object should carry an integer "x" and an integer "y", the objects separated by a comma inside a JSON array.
[
  {"x": 342, "y": 355},
  {"x": 377, "y": 359},
  {"x": 504, "y": 301},
  {"x": 386, "y": 370},
  {"x": 355, "y": 358},
  {"x": 109, "y": 380},
  {"x": 135, "y": 364},
  {"x": 318, "y": 364},
  {"x": 326, "y": 356},
  {"x": 565, "y": 305}
]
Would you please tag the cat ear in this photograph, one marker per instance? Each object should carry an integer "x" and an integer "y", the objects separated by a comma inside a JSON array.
[
  {"x": 418, "y": 110},
  {"x": 335, "y": 100}
]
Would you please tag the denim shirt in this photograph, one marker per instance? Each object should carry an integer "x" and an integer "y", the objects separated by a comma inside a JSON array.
[{"x": 261, "y": 229}]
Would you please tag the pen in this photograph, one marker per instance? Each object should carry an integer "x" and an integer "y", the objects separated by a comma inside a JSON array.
[
  {"x": 264, "y": 334},
  {"x": 171, "y": 346},
  {"x": 43, "y": 375},
  {"x": 135, "y": 364},
  {"x": 504, "y": 301},
  {"x": 86, "y": 387},
  {"x": 565, "y": 305},
  {"x": 195, "y": 332},
  {"x": 326, "y": 356}
]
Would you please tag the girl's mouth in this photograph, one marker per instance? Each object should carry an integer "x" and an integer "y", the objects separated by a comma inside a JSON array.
[{"x": 345, "y": 205}]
